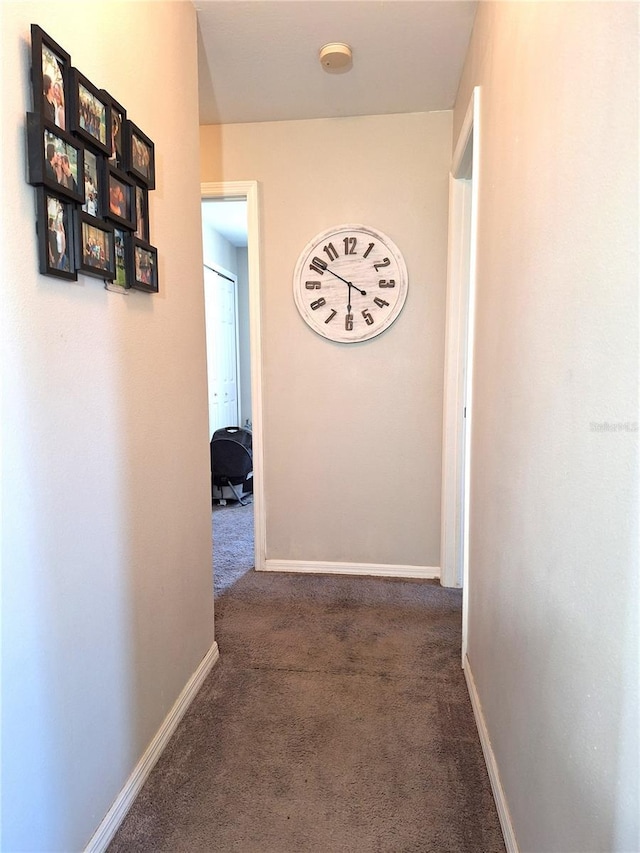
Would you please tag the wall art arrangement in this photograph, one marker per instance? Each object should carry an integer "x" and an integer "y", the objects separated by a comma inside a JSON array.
[{"x": 93, "y": 169}]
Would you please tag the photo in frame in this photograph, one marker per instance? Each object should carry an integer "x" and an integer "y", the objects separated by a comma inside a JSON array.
[
  {"x": 123, "y": 245},
  {"x": 50, "y": 66},
  {"x": 142, "y": 213},
  {"x": 95, "y": 243},
  {"x": 141, "y": 161},
  {"x": 55, "y": 160},
  {"x": 93, "y": 182},
  {"x": 144, "y": 266},
  {"x": 118, "y": 128},
  {"x": 119, "y": 200},
  {"x": 90, "y": 117},
  {"x": 55, "y": 235}
]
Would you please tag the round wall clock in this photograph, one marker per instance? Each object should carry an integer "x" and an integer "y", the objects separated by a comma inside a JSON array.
[{"x": 350, "y": 283}]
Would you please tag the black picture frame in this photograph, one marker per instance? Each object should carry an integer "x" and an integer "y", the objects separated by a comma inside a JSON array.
[
  {"x": 118, "y": 128},
  {"x": 141, "y": 162},
  {"x": 144, "y": 266},
  {"x": 56, "y": 235},
  {"x": 119, "y": 204},
  {"x": 141, "y": 196},
  {"x": 50, "y": 79},
  {"x": 95, "y": 246},
  {"x": 48, "y": 148},
  {"x": 90, "y": 113},
  {"x": 123, "y": 244},
  {"x": 94, "y": 183}
]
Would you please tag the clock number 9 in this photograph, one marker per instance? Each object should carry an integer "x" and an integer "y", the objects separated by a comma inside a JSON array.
[
  {"x": 314, "y": 285},
  {"x": 367, "y": 318},
  {"x": 348, "y": 323},
  {"x": 318, "y": 303}
]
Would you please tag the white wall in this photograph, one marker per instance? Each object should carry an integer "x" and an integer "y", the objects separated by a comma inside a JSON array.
[
  {"x": 553, "y": 594},
  {"x": 352, "y": 432},
  {"x": 244, "y": 336},
  {"x": 106, "y": 540},
  {"x": 216, "y": 249}
]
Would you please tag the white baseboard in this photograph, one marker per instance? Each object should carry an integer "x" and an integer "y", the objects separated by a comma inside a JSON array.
[
  {"x": 371, "y": 569},
  {"x": 116, "y": 814},
  {"x": 492, "y": 766}
]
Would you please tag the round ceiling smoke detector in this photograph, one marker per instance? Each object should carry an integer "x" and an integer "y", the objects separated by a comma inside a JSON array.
[{"x": 336, "y": 57}]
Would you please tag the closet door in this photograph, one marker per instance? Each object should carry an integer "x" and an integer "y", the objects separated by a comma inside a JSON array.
[{"x": 222, "y": 349}]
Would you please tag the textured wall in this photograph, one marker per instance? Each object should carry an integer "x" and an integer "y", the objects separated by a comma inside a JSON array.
[
  {"x": 553, "y": 594},
  {"x": 352, "y": 432},
  {"x": 107, "y": 590}
]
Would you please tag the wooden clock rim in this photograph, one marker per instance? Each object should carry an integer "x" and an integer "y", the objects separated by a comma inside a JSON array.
[{"x": 389, "y": 244}]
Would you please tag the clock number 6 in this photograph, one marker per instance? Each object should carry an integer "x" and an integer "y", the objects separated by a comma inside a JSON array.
[{"x": 348, "y": 323}]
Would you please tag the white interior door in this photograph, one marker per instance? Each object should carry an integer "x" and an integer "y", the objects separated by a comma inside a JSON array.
[{"x": 222, "y": 348}]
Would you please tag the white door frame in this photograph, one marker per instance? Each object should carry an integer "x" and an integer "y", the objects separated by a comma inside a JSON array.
[
  {"x": 249, "y": 190},
  {"x": 458, "y": 384}
]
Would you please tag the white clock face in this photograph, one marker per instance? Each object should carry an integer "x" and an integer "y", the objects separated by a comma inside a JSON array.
[{"x": 350, "y": 283}]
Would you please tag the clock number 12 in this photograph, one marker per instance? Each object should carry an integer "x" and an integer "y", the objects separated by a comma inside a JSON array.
[{"x": 350, "y": 245}]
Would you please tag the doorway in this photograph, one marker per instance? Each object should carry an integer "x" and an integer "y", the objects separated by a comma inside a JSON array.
[
  {"x": 458, "y": 397},
  {"x": 232, "y": 295}
]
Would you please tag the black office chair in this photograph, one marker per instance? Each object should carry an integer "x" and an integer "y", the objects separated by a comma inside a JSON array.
[{"x": 231, "y": 464}]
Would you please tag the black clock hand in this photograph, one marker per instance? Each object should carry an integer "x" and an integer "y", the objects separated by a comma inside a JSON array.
[{"x": 363, "y": 292}]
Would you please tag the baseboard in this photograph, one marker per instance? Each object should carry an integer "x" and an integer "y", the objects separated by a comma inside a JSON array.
[
  {"x": 492, "y": 766},
  {"x": 116, "y": 814},
  {"x": 371, "y": 569}
]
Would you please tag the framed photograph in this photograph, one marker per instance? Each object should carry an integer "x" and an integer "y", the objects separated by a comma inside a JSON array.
[
  {"x": 93, "y": 184},
  {"x": 95, "y": 243},
  {"x": 117, "y": 143},
  {"x": 55, "y": 235},
  {"x": 50, "y": 67},
  {"x": 119, "y": 202},
  {"x": 123, "y": 246},
  {"x": 141, "y": 161},
  {"x": 55, "y": 160},
  {"x": 144, "y": 266},
  {"x": 142, "y": 213},
  {"x": 90, "y": 116}
]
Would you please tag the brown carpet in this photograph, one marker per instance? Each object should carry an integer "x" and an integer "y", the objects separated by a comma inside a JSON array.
[{"x": 337, "y": 721}]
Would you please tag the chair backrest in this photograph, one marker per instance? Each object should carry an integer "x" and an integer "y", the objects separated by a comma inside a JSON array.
[{"x": 230, "y": 461}]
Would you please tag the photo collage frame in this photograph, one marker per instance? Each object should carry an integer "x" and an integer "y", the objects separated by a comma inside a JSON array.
[{"x": 93, "y": 170}]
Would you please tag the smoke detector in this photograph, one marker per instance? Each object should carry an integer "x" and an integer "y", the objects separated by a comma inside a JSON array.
[{"x": 336, "y": 57}]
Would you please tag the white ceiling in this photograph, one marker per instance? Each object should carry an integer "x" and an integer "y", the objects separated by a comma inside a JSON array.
[
  {"x": 228, "y": 217},
  {"x": 258, "y": 59}
]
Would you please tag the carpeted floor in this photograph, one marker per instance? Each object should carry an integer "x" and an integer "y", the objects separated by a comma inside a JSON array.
[
  {"x": 336, "y": 721},
  {"x": 233, "y": 552}
]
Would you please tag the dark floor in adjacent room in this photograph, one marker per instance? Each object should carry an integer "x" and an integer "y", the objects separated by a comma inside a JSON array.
[{"x": 337, "y": 719}]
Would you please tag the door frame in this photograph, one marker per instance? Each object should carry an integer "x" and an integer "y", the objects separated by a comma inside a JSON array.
[
  {"x": 459, "y": 350},
  {"x": 249, "y": 191}
]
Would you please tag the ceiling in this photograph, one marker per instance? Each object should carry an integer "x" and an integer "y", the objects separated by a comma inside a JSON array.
[{"x": 258, "y": 59}]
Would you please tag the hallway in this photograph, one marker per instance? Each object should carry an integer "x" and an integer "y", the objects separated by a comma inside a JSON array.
[{"x": 336, "y": 720}]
